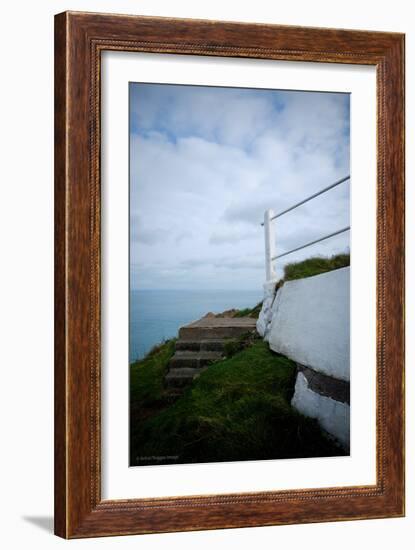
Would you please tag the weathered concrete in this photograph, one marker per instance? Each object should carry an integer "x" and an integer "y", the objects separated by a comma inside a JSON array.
[
  {"x": 202, "y": 343},
  {"x": 339, "y": 390},
  {"x": 265, "y": 314},
  {"x": 333, "y": 416},
  {"x": 180, "y": 377},
  {"x": 310, "y": 322},
  {"x": 194, "y": 359},
  {"x": 217, "y": 328}
]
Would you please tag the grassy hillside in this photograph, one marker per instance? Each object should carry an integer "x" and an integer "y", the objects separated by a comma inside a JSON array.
[
  {"x": 147, "y": 392},
  {"x": 238, "y": 409},
  {"x": 315, "y": 266}
]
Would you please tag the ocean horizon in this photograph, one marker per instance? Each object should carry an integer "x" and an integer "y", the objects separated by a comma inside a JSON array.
[{"x": 157, "y": 315}]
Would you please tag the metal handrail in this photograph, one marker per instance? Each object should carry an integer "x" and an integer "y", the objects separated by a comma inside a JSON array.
[
  {"x": 310, "y": 243},
  {"x": 309, "y": 198},
  {"x": 269, "y": 216}
]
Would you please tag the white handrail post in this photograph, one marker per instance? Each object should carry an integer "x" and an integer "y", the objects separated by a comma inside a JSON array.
[{"x": 269, "y": 245}]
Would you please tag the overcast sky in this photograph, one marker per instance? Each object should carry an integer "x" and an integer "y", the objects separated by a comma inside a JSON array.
[{"x": 207, "y": 162}]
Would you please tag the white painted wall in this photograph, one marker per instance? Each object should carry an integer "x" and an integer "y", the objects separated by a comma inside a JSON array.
[
  {"x": 333, "y": 416},
  {"x": 265, "y": 314},
  {"x": 310, "y": 322}
]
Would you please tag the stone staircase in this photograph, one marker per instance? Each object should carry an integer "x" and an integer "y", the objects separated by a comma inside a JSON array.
[{"x": 202, "y": 343}]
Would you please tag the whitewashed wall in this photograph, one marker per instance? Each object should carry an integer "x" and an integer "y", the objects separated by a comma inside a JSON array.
[
  {"x": 309, "y": 321},
  {"x": 333, "y": 416}
]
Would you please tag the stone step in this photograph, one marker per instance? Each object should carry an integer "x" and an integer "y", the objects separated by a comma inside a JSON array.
[
  {"x": 179, "y": 377},
  {"x": 217, "y": 328},
  {"x": 202, "y": 345},
  {"x": 172, "y": 393},
  {"x": 193, "y": 359}
]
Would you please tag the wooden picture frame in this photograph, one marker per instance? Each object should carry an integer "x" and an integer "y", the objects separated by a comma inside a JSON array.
[{"x": 79, "y": 40}]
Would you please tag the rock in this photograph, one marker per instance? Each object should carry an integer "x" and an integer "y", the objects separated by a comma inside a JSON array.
[{"x": 265, "y": 314}]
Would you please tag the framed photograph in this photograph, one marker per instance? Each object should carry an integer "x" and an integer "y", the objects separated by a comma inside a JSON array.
[{"x": 229, "y": 275}]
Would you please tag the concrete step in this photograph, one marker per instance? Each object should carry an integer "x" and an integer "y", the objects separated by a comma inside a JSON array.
[
  {"x": 179, "y": 377},
  {"x": 172, "y": 393},
  {"x": 217, "y": 328},
  {"x": 193, "y": 359},
  {"x": 202, "y": 345}
]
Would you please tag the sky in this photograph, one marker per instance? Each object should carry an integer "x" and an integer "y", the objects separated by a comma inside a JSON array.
[{"x": 206, "y": 162}]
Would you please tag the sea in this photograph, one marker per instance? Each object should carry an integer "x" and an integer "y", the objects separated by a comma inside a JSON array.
[{"x": 157, "y": 315}]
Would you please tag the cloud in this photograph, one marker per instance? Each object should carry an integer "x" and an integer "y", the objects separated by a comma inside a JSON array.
[
  {"x": 229, "y": 116},
  {"x": 223, "y": 263},
  {"x": 241, "y": 263},
  {"x": 207, "y": 162},
  {"x": 148, "y": 235},
  {"x": 184, "y": 235},
  {"x": 231, "y": 236}
]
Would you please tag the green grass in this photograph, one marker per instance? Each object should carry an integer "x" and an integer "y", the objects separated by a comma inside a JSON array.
[
  {"x": 315, "y": 266},
  {"x": 147, "y": 379},
  {"x": 250, "y": 312},
  {"x": 238, "y": 409},
  {"x": 235, "y": 345}
]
